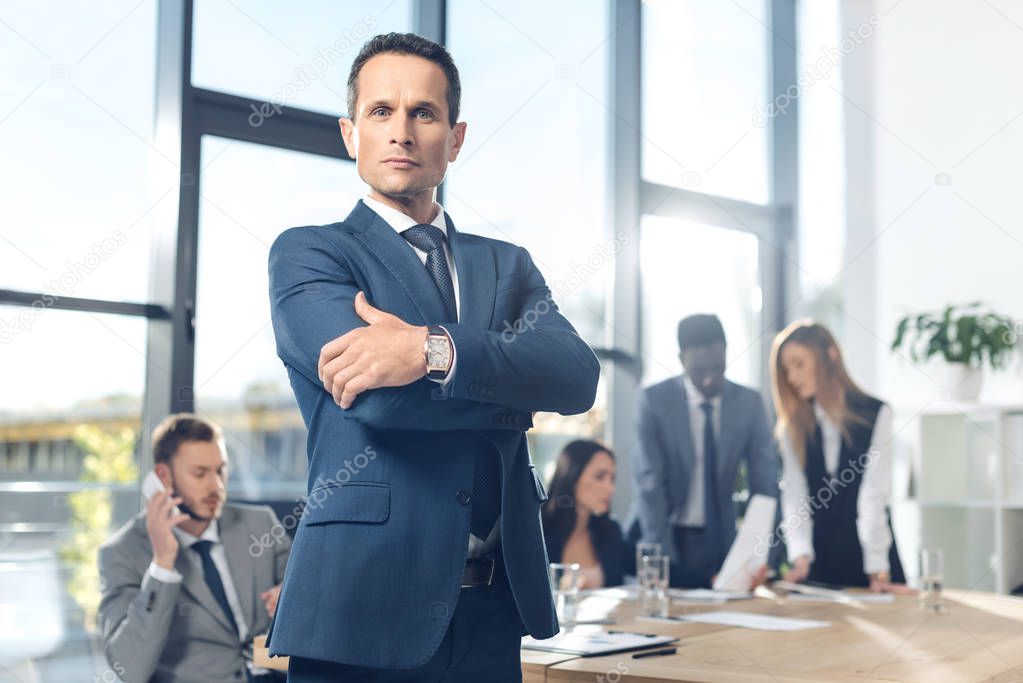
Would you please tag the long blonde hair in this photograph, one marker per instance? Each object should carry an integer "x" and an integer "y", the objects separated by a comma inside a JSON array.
[{"x": 795, "y": 415}]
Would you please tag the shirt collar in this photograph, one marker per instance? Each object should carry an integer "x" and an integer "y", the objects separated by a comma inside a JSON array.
[
  {"x": 819, "y": 412},
  {"x": 400, "y": 221},
  {"x": 212, "y": 533},
  {"x": 694, "y": 394}
]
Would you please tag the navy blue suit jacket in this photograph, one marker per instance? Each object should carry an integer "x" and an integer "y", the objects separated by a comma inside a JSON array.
[{"x": 377, "y": 561}]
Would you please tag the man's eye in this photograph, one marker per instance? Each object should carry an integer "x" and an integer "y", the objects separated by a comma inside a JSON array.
[
  {"x": 424, "y": 114},
  {"x": 378, "y": 112}
]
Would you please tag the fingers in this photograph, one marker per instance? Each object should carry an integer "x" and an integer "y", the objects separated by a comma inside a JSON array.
[
  {"x": 353, "y": 388},
  {"x": 367, "y": 311},
  {"x": 335, "y": 348}
]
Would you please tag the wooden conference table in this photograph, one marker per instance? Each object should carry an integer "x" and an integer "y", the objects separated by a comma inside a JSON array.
[{"x": 980, "y": 638}]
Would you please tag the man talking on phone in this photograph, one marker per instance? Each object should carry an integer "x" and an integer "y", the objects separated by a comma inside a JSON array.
[
  {"x": 188, "y": 582},
  {"x": 417, "y": 354}
]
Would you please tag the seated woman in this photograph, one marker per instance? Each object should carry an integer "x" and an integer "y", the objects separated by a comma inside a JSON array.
[
  {"x": 576, "y": 524},
  {"x": 836, "y": 459}
]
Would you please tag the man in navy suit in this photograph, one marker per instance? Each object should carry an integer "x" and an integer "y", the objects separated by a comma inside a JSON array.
[
  {"x": 418, "y": 355},
  {"x": 694, "y": 432}
]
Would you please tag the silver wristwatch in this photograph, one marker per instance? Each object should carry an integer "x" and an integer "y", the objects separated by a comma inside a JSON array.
[{"x": 438, "y": 353}]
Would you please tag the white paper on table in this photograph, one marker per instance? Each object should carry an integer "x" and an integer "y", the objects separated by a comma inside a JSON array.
[
  {"x": 707, "y": 595},
  {"x": 761, "y": 622},
  {"x": 743, "y": 560},
  {"x": 589, "y": 641},
  {"x": 882, "y": 598}
]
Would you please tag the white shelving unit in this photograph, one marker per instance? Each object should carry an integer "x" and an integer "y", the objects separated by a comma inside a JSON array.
[{"x": 966, "y": 464}]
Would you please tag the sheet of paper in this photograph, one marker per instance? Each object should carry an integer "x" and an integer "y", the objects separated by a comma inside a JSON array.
[
  {"x": 707, "y": 595},
  {"x": 876, "y": 598},
  {"x": 749, "y": 550},
  {"x": 589, "y": 641},
  {"x": 761, "y": 622}
]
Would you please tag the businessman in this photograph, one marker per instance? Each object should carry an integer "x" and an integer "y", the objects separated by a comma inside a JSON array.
[
  {"x": 694, "y": 431},
  {"x": 185, "y": 590},
  {"x": 417, "y": 354}
]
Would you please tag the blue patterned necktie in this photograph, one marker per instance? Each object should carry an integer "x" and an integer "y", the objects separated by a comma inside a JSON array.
[{"x": 430, "y": 238}]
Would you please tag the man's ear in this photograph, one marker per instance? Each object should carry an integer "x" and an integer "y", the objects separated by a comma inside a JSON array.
[
  {"x": 349, "y": 136},
  {"x": 162, "y": 470},
  {"x": 459, "y": 132}
]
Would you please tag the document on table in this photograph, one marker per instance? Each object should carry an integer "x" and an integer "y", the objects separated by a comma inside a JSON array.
[
  {"x": 760, "y": 622},
  {"x": 749, "y": 550},
  {"x": 800, "y": 591},
  {"x": 707, "y": 595},
  {"x": 586, "y": 641},
  {"x": 876, "y": 598}
]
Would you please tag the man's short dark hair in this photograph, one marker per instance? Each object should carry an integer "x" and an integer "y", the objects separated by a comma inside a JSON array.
[
  {"x": 702, "y": 329},
  {"x": 179, "y": 428},
  {"x": 407, "y": 44}
]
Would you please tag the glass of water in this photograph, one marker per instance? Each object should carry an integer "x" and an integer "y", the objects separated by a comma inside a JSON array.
[
  {"x": 932, "y": 576},
  {"x": 565, "y": 587},
  {"x": 644, "y": 550},
  {"x": 655, "y": 573}
]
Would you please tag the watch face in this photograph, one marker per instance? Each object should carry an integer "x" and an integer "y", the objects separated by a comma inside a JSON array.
[{"x": 438, "y": 355}]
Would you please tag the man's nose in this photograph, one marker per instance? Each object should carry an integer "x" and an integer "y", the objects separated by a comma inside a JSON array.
[{"x": 401, "y": 131}]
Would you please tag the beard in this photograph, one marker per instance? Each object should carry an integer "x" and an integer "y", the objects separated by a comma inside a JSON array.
[{"x": 189, "y": 505}]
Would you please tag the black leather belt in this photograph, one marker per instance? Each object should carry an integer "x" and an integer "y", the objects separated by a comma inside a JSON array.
[{"x": 480, "y": 571}]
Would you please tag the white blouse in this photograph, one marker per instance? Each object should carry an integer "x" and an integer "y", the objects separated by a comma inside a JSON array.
[{"x": 874, "y": 494}]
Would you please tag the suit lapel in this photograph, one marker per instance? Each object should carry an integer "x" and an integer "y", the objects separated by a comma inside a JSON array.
[
  {"x": 239, "y": 562},
  {"x": 397, "y": 255},
  {"x": 731, "y": 425},
  {"x": 684, "y": 435},
  {"x": 477, "y": 280}
]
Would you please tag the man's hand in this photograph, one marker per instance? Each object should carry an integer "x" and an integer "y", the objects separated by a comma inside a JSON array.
[
  {"x": 387, "y": 353},
  {"x": 881, "y": 583},
  {"x": 160, "y": 520},
  {"x": 269, "y": 598},
  {"x": 799, "y": 571}
]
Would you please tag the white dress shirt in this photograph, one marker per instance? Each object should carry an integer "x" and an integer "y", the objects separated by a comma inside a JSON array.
[
  {"x": 401, "y": 222},
  {"x": 874, "y": 494},
  {"x": 693, "y": 514},
  {"x": 219, "y": 557}
]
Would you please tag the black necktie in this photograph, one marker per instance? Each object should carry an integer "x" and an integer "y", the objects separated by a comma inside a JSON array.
[
  {"x": 711, "y": 507},
  {"x": 213, "y": 580},
  {"x": 430, "y": 238}
]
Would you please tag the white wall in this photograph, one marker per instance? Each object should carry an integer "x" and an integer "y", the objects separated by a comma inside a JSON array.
[{"x": 935, "y": 90}]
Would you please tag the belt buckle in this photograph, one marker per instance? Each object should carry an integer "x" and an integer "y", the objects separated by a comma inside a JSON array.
[{"x": 490, "y": 575}]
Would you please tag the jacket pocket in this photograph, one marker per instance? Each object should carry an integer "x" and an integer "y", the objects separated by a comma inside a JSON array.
[
  {"x": 541, "y": 492},
  {"x": 367, "y": 502}
]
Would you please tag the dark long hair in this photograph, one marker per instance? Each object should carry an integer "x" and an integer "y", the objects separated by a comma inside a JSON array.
[{"x": 559, "y": 514}]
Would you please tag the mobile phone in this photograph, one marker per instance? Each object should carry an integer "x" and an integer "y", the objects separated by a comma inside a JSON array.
[{"x": 152, "y": 485}]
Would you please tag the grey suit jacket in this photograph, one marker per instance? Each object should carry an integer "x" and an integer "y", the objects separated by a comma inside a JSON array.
[
  {"x": 663, "y": 460},
  {"x": 156, "y": 631}
]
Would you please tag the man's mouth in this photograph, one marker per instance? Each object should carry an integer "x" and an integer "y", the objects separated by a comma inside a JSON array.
[{"x": 400, "y": 162}]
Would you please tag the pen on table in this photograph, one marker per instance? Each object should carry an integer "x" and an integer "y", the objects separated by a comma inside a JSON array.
[{"x": 655, "y": 653}]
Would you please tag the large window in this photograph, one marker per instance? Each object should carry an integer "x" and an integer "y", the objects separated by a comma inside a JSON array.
[
  {"x": 291, "y": 54},
  {"x": 76, "y": 113},
  {"x": 704, "y": 72},
  {"x": 250, "y": 193},
  {"x": 722, "y": 276},
  {"x": 533, "y": 170}
]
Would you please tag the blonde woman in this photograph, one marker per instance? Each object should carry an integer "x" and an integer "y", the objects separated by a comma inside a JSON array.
[{"x": 836, "y": 466}]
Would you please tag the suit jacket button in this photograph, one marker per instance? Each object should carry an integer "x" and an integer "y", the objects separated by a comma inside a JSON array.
[{"x": 463, "y": 497}]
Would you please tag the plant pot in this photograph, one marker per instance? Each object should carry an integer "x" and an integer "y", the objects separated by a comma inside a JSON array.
[{"x": 964, "y": 383}]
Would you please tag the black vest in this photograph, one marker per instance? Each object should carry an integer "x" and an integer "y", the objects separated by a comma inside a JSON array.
[{"x": 836, "y": 542}]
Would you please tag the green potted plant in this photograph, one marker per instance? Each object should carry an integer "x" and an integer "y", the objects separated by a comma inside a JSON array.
[{"x": 966, "y": 336}]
